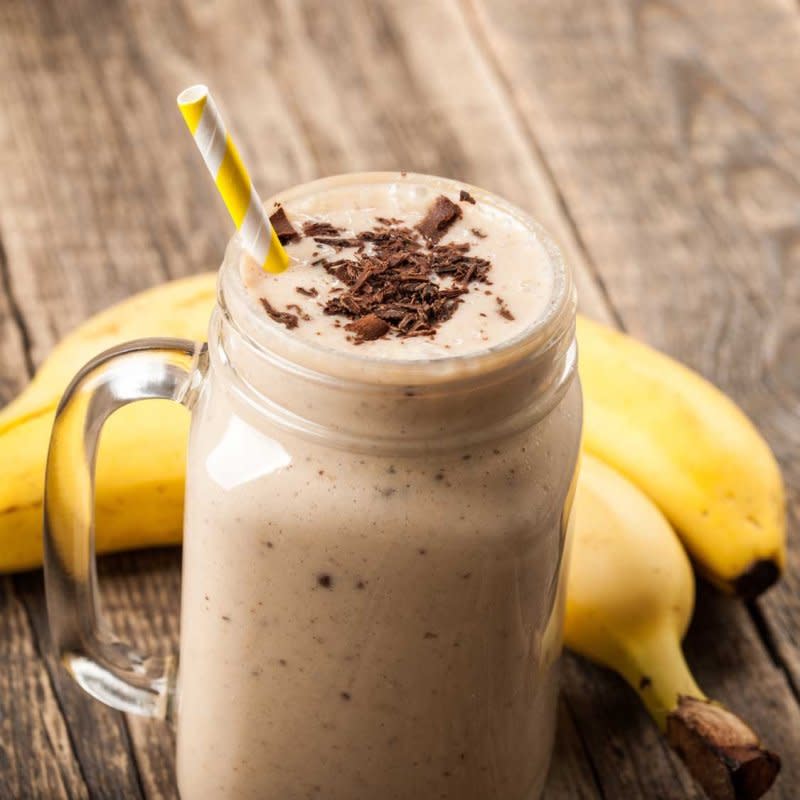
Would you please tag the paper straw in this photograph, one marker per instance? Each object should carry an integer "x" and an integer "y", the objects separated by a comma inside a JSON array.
[{"x": 229, "y": 173}]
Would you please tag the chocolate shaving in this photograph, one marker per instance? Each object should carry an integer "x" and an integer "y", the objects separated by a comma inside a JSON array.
[
  {"x": 367, "y": 328},
  {"x": 503, "y": 309},
  {"x": 397, "y": 283},
  {"x": 441, "y": 215},
  {"x": 283, "y": 228},
  {"x": 300, "y": 313},
  {"x": 465, "y": 197},
  {"x": 316, "y": 228},
  {"x": 283, "y": 317},
  {"x": 312, "y": 292},
  {"x": 478, "y": 232},
  {"x": 339, "y": 242}
]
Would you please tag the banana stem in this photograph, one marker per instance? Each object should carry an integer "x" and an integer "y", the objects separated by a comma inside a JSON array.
[
  {"x": 657, "y": 670},
  {"x": 721, "y": 751}
]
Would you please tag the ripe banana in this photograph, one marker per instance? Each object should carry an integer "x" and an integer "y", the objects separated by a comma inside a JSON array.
[
  {"x": 630, "y": 596},
  {"x": 668, "y": 430},
  {"x": 139, "y": 488},
  {"x": 692, "y": 451}
]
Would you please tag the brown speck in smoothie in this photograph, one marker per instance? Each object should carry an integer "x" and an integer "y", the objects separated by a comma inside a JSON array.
[
  {"x": 422, "y": 551},
  {"x": 439, "y": 476},
  {"x": 387, "y": 491},
  {"x": 466, "y": 575},
  {"x": 282, "y": 662},
  {"x": 466, "y": 457},
  {"x": 430, "y": 635},
  {"x": 391, "y": 469},
  {"x": 465, "y": 197},
  {"x": 321, "y": 472},
  {"x": 361, "y": 585},
  {"x": 226, "y": 618},
  {"x": 345, "y": 695},
  {"x": 325, "y": 580}
]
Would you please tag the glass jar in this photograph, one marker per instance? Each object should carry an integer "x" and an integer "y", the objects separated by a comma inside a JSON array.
[{"x": 374, "y": 554}]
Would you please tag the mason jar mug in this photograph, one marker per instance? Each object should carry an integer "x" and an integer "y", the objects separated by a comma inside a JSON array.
[{"x": 373, "y": 560}]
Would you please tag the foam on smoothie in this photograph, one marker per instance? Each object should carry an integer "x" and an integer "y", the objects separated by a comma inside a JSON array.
[{"x": 518, "y": 290}]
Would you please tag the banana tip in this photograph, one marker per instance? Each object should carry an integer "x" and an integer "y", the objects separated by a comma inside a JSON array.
[{"x": 757, "y": 578}]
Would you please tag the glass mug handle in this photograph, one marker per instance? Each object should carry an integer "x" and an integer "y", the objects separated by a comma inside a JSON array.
[{"x": 101, "y": 664}]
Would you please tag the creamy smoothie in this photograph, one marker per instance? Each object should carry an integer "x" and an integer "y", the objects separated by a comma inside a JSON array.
[{"x": 377, "y": 504}]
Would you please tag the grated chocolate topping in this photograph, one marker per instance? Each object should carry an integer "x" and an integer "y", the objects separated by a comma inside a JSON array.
[{"x": 398, "y": 279}]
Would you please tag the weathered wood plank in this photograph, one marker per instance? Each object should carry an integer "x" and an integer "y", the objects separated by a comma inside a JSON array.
[
  {"x": 126, "y": 226},
  {"x": 98, "y": 734},
  {"x": 671, "y": 131},
  {"x": 401, "y": 113},
  {"x": 36, "y": 756}
]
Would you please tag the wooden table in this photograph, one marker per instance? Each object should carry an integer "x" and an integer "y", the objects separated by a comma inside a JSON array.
[{"x": 659, "y": 140}]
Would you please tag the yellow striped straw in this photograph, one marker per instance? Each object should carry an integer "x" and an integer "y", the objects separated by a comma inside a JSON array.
[{"x": 229, "y": 173}]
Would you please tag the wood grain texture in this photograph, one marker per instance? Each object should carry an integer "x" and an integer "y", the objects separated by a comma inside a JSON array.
[
  {"x": 671, "y": 130},
  {"x": 653, "y": 162},
  {"x": 36, "y": 755}
]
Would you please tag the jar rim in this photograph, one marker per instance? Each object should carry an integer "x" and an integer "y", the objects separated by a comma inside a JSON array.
[{"x": 311, "y": 357}]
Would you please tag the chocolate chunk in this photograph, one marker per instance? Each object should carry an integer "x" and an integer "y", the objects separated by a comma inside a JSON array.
[
  {"x": 441, "y": 215},
  {"x": 283, "y": 317},
  {"x": 283, "y": 228},
  {"x": 325, "y": 580},
  {"x": 466, "y": 197},
  {"x": 368, "y": 328}
]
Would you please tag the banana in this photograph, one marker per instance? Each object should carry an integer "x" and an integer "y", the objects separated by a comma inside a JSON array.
[
  {"x": 630, "y": 596},
  {"x": 139, "y": 489},
  {"x": 692, "y": 451},
  {"x": 667, "y": 429}
]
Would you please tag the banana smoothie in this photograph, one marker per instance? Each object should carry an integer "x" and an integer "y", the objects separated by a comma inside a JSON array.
[{"x": 378, "y": 496}]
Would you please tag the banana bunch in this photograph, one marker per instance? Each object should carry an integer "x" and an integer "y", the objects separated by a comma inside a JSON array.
[{"x": 698, "y": 462}]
